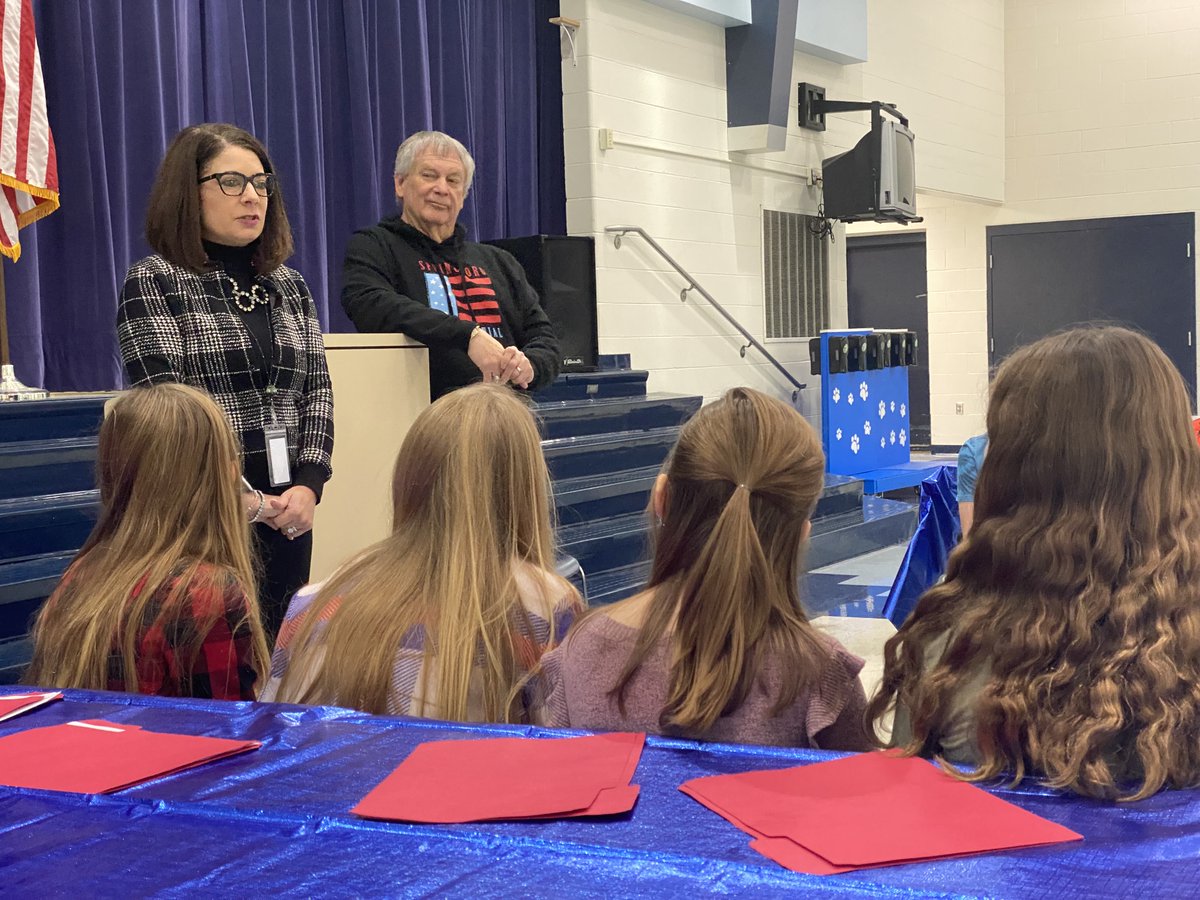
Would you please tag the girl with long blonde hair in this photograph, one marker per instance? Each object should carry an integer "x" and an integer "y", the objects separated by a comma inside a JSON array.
[
  {"x": 161, "y": 598},
  {"x": 1065, "y": 639},
  {"x": 718, "y": 645},
  {"x": 448, "y": 615}
]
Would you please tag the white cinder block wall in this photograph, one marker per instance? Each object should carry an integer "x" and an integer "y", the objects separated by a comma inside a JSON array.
[
  {"x": 1025, "y": 110},
  {"x": 1102, "y": 112},
  {"x": 1103, "y": 108},
  {"x": 657, "y": 79}
]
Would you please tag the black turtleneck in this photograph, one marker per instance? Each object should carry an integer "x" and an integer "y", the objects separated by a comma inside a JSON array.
[{"x": 238, "y": 265}]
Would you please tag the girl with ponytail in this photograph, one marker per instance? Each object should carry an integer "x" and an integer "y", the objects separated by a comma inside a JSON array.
[{"x": 718, "y": 646}]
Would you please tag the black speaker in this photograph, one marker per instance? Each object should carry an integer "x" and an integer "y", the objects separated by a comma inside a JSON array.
[
  {"x": 562, "y": 270},
  {"x": 856, "y": 353},
  {"x": 814, "y": 356},
  {"x": 839, "y": 354}
]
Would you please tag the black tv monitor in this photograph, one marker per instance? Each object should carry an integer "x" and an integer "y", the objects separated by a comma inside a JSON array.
[{"x": 876, "y": 180}]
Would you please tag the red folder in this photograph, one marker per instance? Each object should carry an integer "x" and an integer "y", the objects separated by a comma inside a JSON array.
[
  {"x": 509, "y": 778},
  {"x": 15, "y": 704},
  {"x": 867, "y": 810},
  {"x": 97, "y": 757}
]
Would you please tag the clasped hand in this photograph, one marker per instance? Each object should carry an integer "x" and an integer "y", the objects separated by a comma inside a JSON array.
[
  {"x": 500, "y": 364},
  {"x": 291, "y": 512}
]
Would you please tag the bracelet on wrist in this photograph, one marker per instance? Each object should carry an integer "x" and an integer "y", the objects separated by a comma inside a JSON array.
[{"x": 262, "y": 502}]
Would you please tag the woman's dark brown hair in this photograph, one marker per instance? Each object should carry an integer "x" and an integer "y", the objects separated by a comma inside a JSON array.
[
  {"x": 742, "y": 481},
  {"x": 173, "y": 213},
  {"x": 1076, "y": 595}
]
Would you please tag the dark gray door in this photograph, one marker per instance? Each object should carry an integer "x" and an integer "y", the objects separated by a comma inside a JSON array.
[
  {"x": 1133, "y": 270},
  {"x": 885, "y": 277}
]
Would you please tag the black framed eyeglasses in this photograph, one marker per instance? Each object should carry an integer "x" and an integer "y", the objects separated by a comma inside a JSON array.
[{"x": 233, "y": 184}]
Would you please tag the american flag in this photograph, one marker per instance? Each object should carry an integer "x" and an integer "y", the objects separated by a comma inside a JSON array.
[{"x": 28, "y": 167}]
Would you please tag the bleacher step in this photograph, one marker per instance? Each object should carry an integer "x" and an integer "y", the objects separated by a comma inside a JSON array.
[
  {"x": 592, "y": 497},
  {"x": 617, "y": 584},
  {"x": 594, "y": 385},
  {"x": 574, "y": 418},
  {"x": 840, "y": 494},
  {"x": 883, "y": 523},
  {"x": 35, "y": 468},
  {"x": 15, "y": 656},
  {"x": 24, "y": 586},
  {"x": 607, "y": 453},
  {"x": 45, "y": 420},
  {"x": 606, "y": 544},
  {"x": 55, "y": 523}
]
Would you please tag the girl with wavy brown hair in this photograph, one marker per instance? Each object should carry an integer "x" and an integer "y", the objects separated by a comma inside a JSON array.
[
  {"x": 718, "y": 646},
  {"x": 448, "y": 616},
  {"x": 1065, "y": 639},
  {"x": 160, "y": 599}
]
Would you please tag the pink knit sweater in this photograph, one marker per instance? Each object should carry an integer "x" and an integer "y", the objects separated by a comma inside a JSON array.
[{"x": 578, "y": 675}]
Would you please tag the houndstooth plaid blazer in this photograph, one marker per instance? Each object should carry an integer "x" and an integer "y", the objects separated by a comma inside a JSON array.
[{"x": 176, "y": 325}]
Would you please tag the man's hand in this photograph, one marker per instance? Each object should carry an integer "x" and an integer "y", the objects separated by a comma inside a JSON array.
[
  {"x": 488, "y": 354},
  {"x": 517, "y": 368}
]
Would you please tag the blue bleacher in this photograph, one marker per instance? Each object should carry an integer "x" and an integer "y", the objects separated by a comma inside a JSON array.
[
  {"x": 48, "y": 505},
  {"x": 604, "y": 436}
]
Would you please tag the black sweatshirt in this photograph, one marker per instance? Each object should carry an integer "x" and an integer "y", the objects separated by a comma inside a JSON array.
[{"x": 397, "y": 279}]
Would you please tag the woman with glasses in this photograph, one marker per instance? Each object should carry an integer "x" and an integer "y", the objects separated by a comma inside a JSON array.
[{"x": 216, "y": 308}]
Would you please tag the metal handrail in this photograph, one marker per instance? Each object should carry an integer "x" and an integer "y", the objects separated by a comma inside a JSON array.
[{"x": 693, "y": 285}]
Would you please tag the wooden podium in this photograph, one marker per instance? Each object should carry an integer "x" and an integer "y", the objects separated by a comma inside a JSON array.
[{"x": 380, "y": 385}]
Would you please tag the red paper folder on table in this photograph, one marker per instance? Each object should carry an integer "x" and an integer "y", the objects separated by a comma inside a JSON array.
[
  {"x": 15, "y": 704},
  {"x": 96, "y": 757},
  {"x": 873, "y": 809},
  {"x": 509, "y": 778}
]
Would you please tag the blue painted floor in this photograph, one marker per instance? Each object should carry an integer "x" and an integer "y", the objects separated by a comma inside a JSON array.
[{"x": 855, "y": 587}]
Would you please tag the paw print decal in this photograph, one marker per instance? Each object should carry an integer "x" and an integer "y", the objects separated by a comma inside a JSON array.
[
  {"x": 867, "y": 427},
  {"x": 862, "y": 390},
  {"x": 850, "y": 399},
  {"x": 903, "y": 410},
  {"x": 892, "y": 437},
  {"x": 882, "y": 442},
  {"x": 893, "y": 406},
  {"x": 838, "y": 434},
  {"x": 882, "y": 409},
  {"x": 854, "y": 443},
  {"x": 903, "y": 438},
  {"x": 837, "y": 395}
]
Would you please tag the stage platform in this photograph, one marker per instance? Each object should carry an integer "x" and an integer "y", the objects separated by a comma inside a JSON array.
[{"x": 909, "y": 474}]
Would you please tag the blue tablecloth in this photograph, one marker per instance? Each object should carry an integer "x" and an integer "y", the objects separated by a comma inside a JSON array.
[
  {"x": 276, "y": 821},
  {"x": 924, "y": 562}
]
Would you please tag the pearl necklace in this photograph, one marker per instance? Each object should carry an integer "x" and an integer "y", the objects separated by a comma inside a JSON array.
[{"x": 256, "y": 296}]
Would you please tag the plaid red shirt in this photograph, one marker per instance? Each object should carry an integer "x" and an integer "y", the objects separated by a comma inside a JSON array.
[{"x": 223, "y": 667}]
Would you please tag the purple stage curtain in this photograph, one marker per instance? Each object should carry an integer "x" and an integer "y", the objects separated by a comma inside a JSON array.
[{"x": 330, "y": 87}]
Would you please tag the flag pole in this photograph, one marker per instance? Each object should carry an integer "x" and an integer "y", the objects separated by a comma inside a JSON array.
[
  {"x": 5, "y": 358},
  {"x": 10, "y": 387}
]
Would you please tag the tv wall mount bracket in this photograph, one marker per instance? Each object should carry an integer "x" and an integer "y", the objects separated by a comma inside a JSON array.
[{"x": 813, "y": 106}]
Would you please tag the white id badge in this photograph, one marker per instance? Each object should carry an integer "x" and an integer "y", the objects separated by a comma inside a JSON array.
[{"x": 278, "y": 469}]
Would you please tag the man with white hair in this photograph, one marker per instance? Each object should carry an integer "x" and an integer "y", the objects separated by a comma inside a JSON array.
[{"x": 416, "y": 273}]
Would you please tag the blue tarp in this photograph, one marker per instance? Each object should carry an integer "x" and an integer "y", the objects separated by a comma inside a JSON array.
[
  {"x": 937, "y": 533},
  {"x": 276, "y": 821}
]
